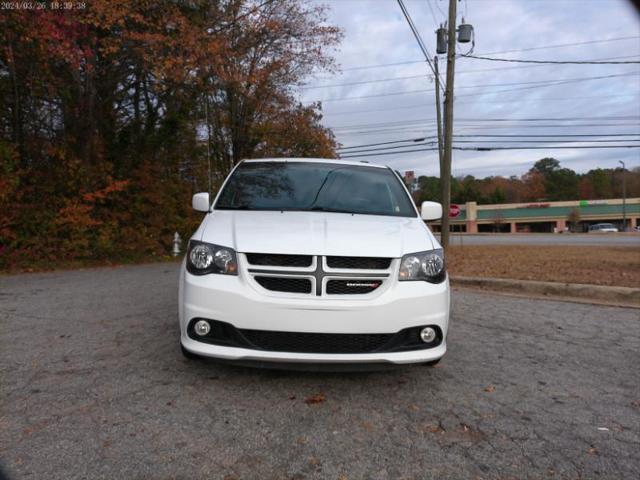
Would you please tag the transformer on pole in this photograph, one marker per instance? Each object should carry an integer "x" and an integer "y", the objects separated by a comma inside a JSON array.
[
  {"x": 465, "y": 32},
  {"x": 441, "y": 40}
]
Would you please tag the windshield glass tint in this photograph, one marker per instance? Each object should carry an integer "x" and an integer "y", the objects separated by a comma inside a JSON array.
[{"x": 315, "y": 186}]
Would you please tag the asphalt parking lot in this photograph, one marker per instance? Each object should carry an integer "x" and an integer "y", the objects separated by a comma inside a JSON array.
[{"x": 93, "y": 385}]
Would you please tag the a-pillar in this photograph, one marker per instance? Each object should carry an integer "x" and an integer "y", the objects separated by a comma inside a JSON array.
[
  {"x": 633, "y": 222},
  {"x": 514, "y": 228}
]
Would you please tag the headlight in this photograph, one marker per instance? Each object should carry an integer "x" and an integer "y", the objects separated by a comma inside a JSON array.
[
  {"x": 427, "y": 266},
  {"x": 204, "y": 258}
]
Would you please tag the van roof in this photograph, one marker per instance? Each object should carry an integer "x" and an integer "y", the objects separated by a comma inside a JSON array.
[{"x": 315, "y": 160}]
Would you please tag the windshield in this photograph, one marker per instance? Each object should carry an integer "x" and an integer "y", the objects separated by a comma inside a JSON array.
[{"x": 329, "y": 187}]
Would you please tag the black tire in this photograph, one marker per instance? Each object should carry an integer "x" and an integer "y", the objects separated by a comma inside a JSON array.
[
  {"x": 188, "y": 355},
  {"x": 432, "y": 363}
]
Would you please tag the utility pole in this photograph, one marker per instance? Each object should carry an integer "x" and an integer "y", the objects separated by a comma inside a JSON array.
[
  {"x": 445, "y": 176},
  {"x": 624, "y": 196},
  {"x": 438, "y": 111}
]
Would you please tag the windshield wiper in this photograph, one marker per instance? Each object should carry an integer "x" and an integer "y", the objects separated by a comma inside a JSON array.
[{"x": 333, "y": 210}]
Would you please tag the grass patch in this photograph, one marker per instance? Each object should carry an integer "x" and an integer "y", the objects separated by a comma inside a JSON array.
[{"x": 613, "y": 266}]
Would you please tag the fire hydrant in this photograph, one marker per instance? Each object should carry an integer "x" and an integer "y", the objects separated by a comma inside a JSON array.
[{"x": 177, "y": 242}]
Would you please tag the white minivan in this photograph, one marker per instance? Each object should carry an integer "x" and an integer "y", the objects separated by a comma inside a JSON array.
[{"x": 314, "y": 261}]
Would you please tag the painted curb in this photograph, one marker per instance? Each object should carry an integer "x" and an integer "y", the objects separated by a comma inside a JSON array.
[{"x": 612, "y": 295}]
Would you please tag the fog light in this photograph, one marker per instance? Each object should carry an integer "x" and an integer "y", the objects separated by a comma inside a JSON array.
[
  {"x": 202, "y": 327},
  {"x": 427, "y": 335}
]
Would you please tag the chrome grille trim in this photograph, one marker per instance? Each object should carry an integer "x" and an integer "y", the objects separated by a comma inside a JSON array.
[{"x": 320, "y": 275}]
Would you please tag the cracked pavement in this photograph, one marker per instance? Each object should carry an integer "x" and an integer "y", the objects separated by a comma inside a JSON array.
[{"x": 93, "y": 385}]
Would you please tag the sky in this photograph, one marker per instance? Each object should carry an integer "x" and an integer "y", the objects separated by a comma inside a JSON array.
[{"x": 489, "y": 95}]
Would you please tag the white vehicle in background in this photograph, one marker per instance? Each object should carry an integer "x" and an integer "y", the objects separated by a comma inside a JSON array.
[
  {"x": 602, "y": 228},
  {"x": 314, "y": 261}
]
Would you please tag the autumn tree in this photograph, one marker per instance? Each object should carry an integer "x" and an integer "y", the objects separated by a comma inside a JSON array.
[{"x": 104, "y": 113}]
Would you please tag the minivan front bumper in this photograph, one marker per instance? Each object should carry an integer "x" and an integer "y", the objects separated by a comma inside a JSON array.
[{"x": 231, "y": 299}]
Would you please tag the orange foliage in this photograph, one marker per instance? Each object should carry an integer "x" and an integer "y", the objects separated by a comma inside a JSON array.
[{"x": 104, "y": 114}]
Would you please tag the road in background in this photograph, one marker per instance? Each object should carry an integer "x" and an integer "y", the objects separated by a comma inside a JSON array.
[
  {"x": 94, "y": 386},
  {"x": 595, "y": 239}
]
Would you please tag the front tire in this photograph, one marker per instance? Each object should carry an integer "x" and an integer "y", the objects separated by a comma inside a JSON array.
[{"x": 188, "y": 355}]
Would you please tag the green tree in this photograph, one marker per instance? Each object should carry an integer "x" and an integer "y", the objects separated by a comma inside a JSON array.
[
  {"x": 562, "y": 184},
  {"x": 429, "y": 188},
  {"x": 497, "y": 196},
  {"x": 545, "y": 166},
  {"x": 601, "y": 183}
]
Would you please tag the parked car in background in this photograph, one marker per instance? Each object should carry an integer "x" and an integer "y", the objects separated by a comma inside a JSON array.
[
  {"x": 602, "y": 228},
  {"x": 314, "y": 261}
]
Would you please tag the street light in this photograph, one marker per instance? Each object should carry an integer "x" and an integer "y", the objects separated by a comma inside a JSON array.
[{"x": 624, "y": 197}]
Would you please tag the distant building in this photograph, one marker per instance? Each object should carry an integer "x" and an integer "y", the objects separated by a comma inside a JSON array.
[
  {"x": 544, "y": 216},
  {"x": 411, "y": 181}
]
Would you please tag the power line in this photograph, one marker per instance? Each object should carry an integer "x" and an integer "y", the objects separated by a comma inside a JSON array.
[
  {"x": 488, "y": 149},
  {"x": 562, "y": 45},
  {"x": 422, "y": 105},
  {"x": 390, "y": 153},
  {"x": 552, "y": 62},
  {"x": 540, "y": 83},
  {"x": 376, "y": 150},
  {"x": 422, "y": 131},
  {"x": 552, "y": 83},
  {"x": 387, "y": 143},
  {"x": 433, "y": 15},
  {"x": 553, "y": 135},
  {"x": 552, "y": 141},
  {"x": 475, "y": 127},
  {"x": 560, "y": 119},
  {"x": 421, "y": 44},
  {"x": 380, "y": 65},
  {"x": 362, "y": 82},
  {"x": 394, "y": 64},
  {"x": 390, "y": 94},
  {"x": 479, "y": 70},
  {"x": 411, "y": 77},
  {"x": 420, "y": 139},
  {"x": 385, "y": 148},
  {"x": 468, "y": 121}
]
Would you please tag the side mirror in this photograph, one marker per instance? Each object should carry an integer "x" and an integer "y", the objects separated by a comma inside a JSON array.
[
  {"x": 200, "y": 202},
  {"x": 431, "y": 211}
]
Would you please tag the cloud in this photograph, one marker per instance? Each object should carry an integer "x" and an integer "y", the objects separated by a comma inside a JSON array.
[{"x": 377, "y": 33}]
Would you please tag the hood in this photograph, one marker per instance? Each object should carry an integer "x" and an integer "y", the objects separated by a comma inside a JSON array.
[{"x": 316, "y": 233}]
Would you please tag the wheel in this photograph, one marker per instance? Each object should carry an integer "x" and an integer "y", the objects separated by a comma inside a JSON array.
[
  {"x": 187, "y": 354},
  {"x": 432, "y": 363}
]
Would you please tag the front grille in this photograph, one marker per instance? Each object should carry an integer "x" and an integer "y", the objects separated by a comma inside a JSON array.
[
  {"x": 362, "y": 263},
  {"x": 279, "y": 260},
  {"x": 285, "y": 284},
  {"x": 316, "y": 342},
  {"x": 354, "y": 286}
]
